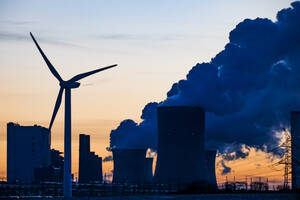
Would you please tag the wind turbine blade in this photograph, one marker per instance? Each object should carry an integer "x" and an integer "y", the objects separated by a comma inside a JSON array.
[
  {"x": 83, "y": 75},
  {"x": 52, "y": 69},
  {"x": 57, "y": 105}
]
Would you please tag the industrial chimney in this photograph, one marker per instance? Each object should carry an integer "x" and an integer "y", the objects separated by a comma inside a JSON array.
[
  {"x": 180, "y": 152},
  {"x": 131, "y": 166},
  {"x": 210, "y": 158},
  {"x": 295, "y": 135}
]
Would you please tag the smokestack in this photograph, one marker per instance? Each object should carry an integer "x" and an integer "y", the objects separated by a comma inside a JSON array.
[
  {"x": 211, "y": 170},
  {"x": 180, "y": 153},
  {"x": 84, "y": 150},
  {"x": 295, "y": 135},
  {"x": 131, "y": 166}
]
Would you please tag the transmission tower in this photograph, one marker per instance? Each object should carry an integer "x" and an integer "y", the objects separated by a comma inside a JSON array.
[{"x": 286, "y": 160}]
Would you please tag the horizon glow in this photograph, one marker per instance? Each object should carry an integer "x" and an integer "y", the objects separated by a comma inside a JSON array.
[{"x": 154, "y": 44}]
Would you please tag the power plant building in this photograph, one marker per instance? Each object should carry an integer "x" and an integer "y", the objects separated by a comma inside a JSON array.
[
  {"x": 210, "y": 159},
  {"x": 295, "y": 142},
  {"x": 28, "y": 148},
  {"x": 132, "y": 166},
  {"x": 180, "y": 152},
  {"x": 90, "y": 165},
  {"x": 52, "y": 173}
]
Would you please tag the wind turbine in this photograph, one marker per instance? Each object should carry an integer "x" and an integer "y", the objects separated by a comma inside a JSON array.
[{"x": 67, "y": 86}]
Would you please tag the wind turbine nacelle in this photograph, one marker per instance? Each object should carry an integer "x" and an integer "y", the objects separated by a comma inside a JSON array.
[{"x": 69, "y": 84}]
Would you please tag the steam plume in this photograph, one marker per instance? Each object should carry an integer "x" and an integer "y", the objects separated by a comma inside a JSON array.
[{"x": 247, "y": 90}]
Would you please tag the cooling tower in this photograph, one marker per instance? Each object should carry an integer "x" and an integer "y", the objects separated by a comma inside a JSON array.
[
  {"x": 295, "y": 135},
  {"x": 211, "y": 170},
  {"x": 131, "y": 166},
  {"x": 180, "y": 152}
]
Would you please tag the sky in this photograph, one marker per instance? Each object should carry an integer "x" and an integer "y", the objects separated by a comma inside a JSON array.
[{"x": 154, "y": 43}]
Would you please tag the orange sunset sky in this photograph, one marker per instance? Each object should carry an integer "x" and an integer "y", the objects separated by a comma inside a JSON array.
[{"x": 154, "y": 44}]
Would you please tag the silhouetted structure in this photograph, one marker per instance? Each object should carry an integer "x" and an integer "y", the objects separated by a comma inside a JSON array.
[
  {"x": 90, "y": 165},
  {"x": 295, "y": 143},
  {"x": 149, "y": 170},
  {"x": 66, "y": 86},
  {"x": 28, "y": 148},
  {"x": 52, "y": 173},
  {"x": 131, "y": 166},
  {"x": 259, "y": 184},
  {"x": 84, "y": 150},
  {"x": 210, "y": 158},
  {"x": 180, "y": 153},
  {"x": 286, "y": 160},
  {"x": 57, "y": 162}
]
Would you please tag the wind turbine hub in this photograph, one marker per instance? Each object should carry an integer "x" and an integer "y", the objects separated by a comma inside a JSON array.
[{"x": 69, "y": 84}]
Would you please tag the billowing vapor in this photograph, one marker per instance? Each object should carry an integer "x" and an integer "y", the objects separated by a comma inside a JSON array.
[
  {"x": 247, "y": 90},
  {"x": 226, "y": 169},
  {"x": 131, "y": 135}
]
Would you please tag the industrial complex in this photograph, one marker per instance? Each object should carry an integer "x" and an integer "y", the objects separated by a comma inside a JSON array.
[
  {"x": 204, "y": 104},
  {"x": 183, "y": 164}
]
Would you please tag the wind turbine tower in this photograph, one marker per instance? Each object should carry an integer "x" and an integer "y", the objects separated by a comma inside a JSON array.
[{"x": 66, "y": 86}]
